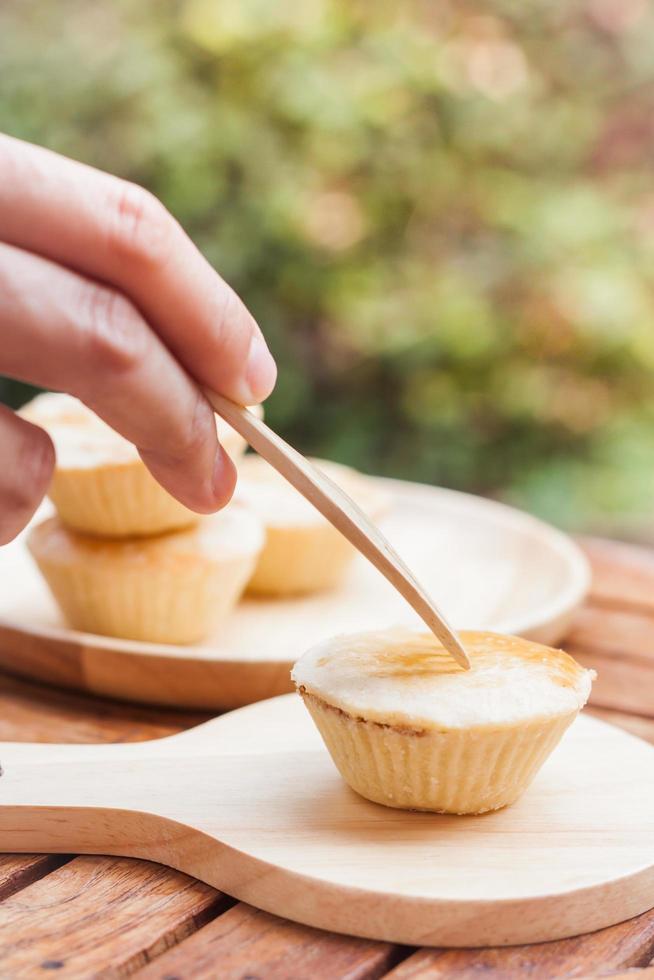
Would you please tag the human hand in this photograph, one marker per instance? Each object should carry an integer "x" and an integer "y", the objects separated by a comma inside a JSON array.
[{"x": 104, "y": 296}]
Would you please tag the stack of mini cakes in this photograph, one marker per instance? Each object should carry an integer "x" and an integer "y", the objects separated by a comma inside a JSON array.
[{"x": 123, "y": 557}]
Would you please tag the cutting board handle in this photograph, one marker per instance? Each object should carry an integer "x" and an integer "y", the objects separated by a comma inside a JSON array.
[
  {"x": 59, "y": 798},
  {"x": 62, "y": 798}
]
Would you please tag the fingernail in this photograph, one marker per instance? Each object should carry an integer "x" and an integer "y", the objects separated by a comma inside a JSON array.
[
  {"x": 224, "y": 477},
  {"x": 260, "y": 369}
]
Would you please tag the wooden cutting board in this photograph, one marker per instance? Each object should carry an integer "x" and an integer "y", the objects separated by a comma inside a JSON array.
[
  {"x": 251, "y": 803},
  {"x": 505, "y": 571}
]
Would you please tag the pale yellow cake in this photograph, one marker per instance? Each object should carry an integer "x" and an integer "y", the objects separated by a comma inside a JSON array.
[
  {"x": 409, "y": 728},
  {"x": 171, "y": 588},
  {"x": 303, "y": 552},
  {"x": 101, "y": 485}
]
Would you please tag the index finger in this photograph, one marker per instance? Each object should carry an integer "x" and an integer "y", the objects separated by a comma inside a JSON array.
[{"x": 118, "y": 233}]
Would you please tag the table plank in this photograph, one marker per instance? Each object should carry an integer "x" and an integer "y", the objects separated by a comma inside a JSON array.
[
  {"x": 20, "y": 870},
  {"x": 622, "y": 684},
  {"x": 92, "y": 913},
  {"x": 623, "y": 574},
  {"x": 274, "y": 948},
  {"x": 621, "y": 632},
  {"x": 31, "y": 712},
  {"x": 619, "y": 645},
  {"x": 618, "y": 947}
]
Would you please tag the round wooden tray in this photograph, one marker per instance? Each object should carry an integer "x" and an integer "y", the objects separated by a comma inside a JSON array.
[{"x": 487, "y": 565}]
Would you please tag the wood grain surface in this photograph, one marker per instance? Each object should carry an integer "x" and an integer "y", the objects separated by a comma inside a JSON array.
[{"x": 181, "y": 932}]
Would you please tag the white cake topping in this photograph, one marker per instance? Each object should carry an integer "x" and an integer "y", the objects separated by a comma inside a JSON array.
[
  {"x": 232, "y": 532},
  {"x": 278, "y": 504},
  {"x": 405, "y": 678},
  {"x": 82, "y": 440}
]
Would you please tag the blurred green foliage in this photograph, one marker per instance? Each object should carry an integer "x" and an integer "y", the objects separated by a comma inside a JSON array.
[{"x": 442, "y": 214}]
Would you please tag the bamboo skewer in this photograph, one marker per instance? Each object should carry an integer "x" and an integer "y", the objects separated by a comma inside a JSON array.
[{"x": 337, "y": 507}]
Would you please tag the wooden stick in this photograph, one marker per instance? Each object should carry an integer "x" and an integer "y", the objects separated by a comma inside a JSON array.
[{"x": 335, "y": 505}]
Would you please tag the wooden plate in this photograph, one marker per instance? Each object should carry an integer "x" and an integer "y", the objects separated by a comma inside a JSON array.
[
  {"x": 252, "y": 804},
  {"x": 488, "y": 566}
]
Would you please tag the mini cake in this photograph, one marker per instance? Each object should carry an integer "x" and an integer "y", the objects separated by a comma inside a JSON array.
[
  {"x": 303, "y": 552},
  {"x": 173, "y": 588},
  {"x": 101, "y": 485},
  {"x": 410, "y": 728}
]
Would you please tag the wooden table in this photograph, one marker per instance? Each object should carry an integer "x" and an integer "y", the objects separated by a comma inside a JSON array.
[{"x": 79, "y": 916}]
